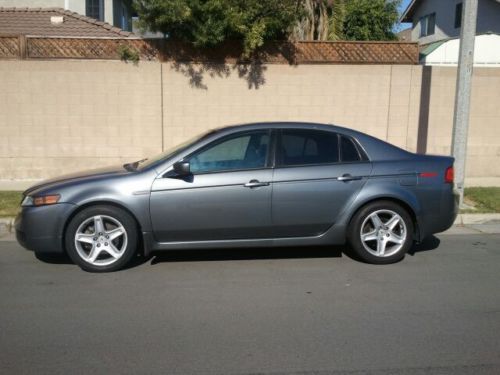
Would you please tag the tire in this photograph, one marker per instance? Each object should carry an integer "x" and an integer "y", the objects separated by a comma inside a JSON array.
[
  {"x": 381, "y": 241},
  {"x": 109, "y": 248}
]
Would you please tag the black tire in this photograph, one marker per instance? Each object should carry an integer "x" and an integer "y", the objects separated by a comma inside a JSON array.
[
  {"x": 383, "y": 209},
  {"x": 128, "y": 247}
]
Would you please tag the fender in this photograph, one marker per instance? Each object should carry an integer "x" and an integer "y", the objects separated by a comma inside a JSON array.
[
  {"x": 375, "y": 189},
  {"x": 131, "y": 193}
]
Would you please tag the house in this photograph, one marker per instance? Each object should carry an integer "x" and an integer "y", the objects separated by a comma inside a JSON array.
[
  {"x": 55, "y": 22},
  {"x": 436, "y": 20},
  {"x": 115, "y": 12},
  {"x": 404, "y": 35},
  {"x": 445, "y": 52}
]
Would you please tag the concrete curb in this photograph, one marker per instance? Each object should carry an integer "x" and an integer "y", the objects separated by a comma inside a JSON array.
[
  {"x": 7, "y": 223},
  {"x": 470, "y": 219}
]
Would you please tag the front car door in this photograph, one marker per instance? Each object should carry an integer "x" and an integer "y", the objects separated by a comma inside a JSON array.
[
  {"x": 318, "y": 173},
  {"x": 227, "y": 196}
]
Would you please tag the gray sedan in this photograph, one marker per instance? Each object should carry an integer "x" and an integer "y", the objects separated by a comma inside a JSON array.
[{"x": 254, "y": 185}]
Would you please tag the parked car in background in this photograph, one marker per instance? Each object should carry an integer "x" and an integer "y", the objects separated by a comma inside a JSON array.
[{"x": 253, "y": 185}]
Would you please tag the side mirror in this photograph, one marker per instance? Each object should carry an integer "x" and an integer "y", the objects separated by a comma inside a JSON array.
[{"x": 181, "y": 168}]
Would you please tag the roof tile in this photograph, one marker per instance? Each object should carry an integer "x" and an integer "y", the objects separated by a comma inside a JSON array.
[{"x": 36, "y": 21}]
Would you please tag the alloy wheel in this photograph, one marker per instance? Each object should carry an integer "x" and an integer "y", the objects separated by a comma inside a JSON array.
[
  {"x": 101, "y": 240},
  {"x": 383, "y": 233}
]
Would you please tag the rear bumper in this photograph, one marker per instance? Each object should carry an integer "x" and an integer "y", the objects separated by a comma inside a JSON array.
[
  {"x": 41, "y": 228},
  {"x": 440, "y": 218}
]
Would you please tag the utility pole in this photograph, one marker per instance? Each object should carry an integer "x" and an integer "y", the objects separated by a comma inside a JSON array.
[{"x": 463, "y": 92}]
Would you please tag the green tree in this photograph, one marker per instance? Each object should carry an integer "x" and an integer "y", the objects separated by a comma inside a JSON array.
[
  {"x": 336, "y": 20},
  {"x": 207, "y": 23},
  {"x": 370, "y": 19},
  {"x": 347, "y": 20}
]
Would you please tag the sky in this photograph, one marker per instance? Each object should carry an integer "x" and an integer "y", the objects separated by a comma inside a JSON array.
[{"x": 402, "y": 7}]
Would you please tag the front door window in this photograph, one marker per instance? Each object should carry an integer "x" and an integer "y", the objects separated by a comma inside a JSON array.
[{"x": 241, "y": 152}]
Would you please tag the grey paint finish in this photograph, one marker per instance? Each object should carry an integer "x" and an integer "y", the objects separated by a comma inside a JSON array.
[
  {"x": 211, "y": 206},
  {"x": 315, "y": 193},
  {"x": 306, "y": 205}
]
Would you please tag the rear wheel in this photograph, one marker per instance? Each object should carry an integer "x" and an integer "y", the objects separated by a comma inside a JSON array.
[
  {"x": 381, "y": 232},
  {"x": 101, "y": 238}
]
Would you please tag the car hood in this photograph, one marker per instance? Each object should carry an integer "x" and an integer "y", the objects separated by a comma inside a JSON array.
[{"x": 86, "y": 175}]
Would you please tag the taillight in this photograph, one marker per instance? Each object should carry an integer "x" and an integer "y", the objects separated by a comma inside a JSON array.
[{"x": 448, "y": 175}]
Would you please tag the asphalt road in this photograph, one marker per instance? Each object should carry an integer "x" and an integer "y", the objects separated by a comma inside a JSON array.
[{"x": 288, "y": 311}]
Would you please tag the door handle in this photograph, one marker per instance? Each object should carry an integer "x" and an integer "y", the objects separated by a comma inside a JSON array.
[
  {"x": 348, "y": 177},
  {"x": 255, "y": 183}
]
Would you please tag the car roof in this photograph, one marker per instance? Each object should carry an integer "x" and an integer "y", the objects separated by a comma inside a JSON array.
[
  {"x": 375, "y": 148},
  {"x": 277, "y": 124},
  {"x": 287, "y": 125}
]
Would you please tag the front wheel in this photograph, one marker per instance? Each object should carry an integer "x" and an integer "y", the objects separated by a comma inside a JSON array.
[
  {"x": 381, "y": 232},
  {"x": 101, "y": 238}
]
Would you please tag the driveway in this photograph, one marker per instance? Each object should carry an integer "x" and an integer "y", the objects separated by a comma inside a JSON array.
[{"x": 281, "y": 311}]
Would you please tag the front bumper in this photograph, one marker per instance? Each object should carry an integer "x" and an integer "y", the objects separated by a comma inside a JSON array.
[{"x": 41, "y": 228}]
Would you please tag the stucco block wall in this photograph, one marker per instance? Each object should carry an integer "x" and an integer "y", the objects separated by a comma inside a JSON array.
[
  {"x": 58, "y": 117},
  {"x": 322, "y": 93},
  {"x": 409, "y": 106},
  {"x": 61, "y": 116},
  {"x": 484, "y": 136},
  {"x": 483, "y": 154}
]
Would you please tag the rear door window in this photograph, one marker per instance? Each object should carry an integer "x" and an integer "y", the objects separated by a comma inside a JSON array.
[{"x": 307, "y": 147}]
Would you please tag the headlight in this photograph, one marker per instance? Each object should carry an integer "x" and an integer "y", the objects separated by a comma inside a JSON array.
[
  {"x": 27, "y": 201},
  {"x": 41, "y": 200}
]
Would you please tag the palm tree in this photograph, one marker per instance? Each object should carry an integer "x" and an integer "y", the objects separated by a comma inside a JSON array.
[{"x": 321, "y": 20}]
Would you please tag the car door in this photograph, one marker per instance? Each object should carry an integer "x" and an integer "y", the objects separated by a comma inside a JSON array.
[
  {"x": 226, "y": 196},
  {"x": 318, "y": 173}
]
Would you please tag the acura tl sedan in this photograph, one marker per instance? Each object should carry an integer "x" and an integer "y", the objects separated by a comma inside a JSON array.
[{"x": 253, "y": 185}]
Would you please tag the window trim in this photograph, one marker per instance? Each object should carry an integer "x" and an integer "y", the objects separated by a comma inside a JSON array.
[
  {"x": 458, "y": 15},
  {"x": 273, "y": 149},
  {"x": 361, "y": 150},
  {"x": 272, "y": 160},
  {"x": 421, "y": 24},
  {"x": 267, "y": 164},
  {"x": 101, "y": 10},
  {"x": 279, "y": 154},
  {"x": 427, "y": 17},
  {"x": 363, "y": 156}
]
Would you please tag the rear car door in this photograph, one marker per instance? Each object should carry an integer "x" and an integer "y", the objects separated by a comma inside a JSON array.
[
  {"x": 227, "y": 196},
  {"x": 317, "y": 174}
]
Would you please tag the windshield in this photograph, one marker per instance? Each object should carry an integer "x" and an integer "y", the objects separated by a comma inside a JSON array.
[{"x": 157, "y": 159}]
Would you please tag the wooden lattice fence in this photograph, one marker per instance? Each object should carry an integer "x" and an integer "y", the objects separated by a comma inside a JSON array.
[
  {"x": 88, "y": 48},
  {"x": 357, "y": 52},
  {"x": 297, "y": 52},
  {"x": 231, "y": 52},
  {"x": 10, "y": 47}
]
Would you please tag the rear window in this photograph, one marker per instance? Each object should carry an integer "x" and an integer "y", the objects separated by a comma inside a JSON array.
[
  {"x": 348, "y": 150},
  {"x": 303, "y": 147}
]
